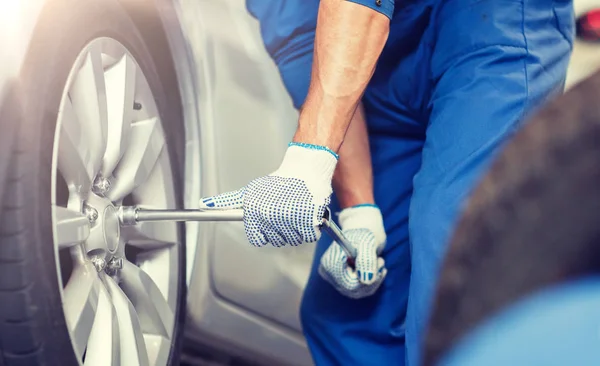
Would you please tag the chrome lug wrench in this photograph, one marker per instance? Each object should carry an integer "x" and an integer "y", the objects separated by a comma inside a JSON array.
[{"x": 130, "y": 215}]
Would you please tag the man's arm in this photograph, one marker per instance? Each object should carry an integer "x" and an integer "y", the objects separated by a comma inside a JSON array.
[
  {"x": 349, "y": 39},
  {"x": 353, "y": 177},
  {"x": 286, "y": 206}
]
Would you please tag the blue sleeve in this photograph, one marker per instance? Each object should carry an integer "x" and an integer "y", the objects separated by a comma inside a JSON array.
[
  {"x": 385, "y": 7},
  {"x": 288, "y": 31}
]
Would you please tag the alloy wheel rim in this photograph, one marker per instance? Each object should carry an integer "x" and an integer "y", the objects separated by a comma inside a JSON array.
[{"x": 119, "y": 284}]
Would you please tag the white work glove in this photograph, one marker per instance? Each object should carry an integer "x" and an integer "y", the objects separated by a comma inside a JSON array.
[
  {"x": 286, "y": 206},
  {"x": 363, "y": 227}
]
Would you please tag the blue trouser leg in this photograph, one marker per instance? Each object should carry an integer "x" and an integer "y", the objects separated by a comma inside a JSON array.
[
  {"x": 370, "y": 331},
  {"x": 492, "y": 63}
]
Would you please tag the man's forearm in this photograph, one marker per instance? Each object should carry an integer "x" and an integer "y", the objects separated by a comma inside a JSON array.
[
  {"x": 349, "y": 39},
  {"x": 353, "y": 177}
]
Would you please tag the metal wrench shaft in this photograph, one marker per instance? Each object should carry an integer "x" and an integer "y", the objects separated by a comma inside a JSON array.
[
  {"x": 189, "y": 215},
  {"x": 336, "y": 234},
  {"x": 130, "y": 215}
]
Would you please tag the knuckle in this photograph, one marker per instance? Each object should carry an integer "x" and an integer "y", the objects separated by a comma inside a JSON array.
[
  {"x": 288, "y": 233},
  {"x": 256, "y": 238},
  {"x": 308, "y": 233}
]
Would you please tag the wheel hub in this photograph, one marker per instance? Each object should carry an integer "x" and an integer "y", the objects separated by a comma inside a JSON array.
[
  {"x": 106, "y": 229},
  {"x": 111, "y": 228}
]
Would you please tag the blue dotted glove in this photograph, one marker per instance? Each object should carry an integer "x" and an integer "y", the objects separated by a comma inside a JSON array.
[
  {"x": 286, "y": 206},
  {"x": 363, "y": 227}
]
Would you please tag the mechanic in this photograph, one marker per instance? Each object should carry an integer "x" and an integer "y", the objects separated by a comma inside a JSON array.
[{"x": 453, "y": 79}]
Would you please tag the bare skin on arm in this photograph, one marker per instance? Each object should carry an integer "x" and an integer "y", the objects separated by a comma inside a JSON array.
[
  {"x": 349, "y": 40},
  {"x": 353, "y": 177}
]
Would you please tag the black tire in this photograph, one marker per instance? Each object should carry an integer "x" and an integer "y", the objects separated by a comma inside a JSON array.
[
  {"x": 533, "y": 221},
  {"x": 32, "y": 322}
]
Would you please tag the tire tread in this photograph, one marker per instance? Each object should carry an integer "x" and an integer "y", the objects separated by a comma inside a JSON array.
[{"x": 17, "y": 314}]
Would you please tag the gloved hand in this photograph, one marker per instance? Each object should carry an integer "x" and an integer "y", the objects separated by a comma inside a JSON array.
[
  {"x": 363, "y": 227},
  {"x": 286, "y": 206}
]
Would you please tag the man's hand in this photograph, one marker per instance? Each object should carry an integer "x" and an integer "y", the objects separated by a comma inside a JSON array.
[
  {"x": 363, "y": 227},
  {"x": 287, "y": 206}
]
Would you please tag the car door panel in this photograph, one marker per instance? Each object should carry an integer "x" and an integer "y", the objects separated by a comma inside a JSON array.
[
  {"x": 252, "y": 139},
  {"x": 244, "y": 296}
]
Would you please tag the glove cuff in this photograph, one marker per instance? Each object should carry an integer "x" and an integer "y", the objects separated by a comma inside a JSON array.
[
  {"x": 364, "y": 217},
  {"x": 312, "y": 163}
]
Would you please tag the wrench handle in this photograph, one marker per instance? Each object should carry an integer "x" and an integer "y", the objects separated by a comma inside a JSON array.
[
  {"x": 338, "y": 236},
  {"x": 133, "y": 215}
]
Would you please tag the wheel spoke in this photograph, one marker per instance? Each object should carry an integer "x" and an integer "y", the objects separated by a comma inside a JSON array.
[
  {"x": 132, "y": 345},
  {"x": 80, "y": 304},
  {"x": 71, "y": 227},
  {"x": 120, "y": 86},
  {"x": 88, "y": 95},
  {"x": 147, "y": 142},
  {"x": 75, "y": 157},
  {"x": 150, "y": 235},
  {"x": 158, "y": 348},
  {"x": 103, "y": 347},
  {"x": 153, "y": 310},
  {"x": 144, "y": 96}
]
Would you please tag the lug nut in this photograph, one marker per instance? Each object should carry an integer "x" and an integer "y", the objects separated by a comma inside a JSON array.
[
  {"x": 91, "y": 213},
  {"x": 101, "y": 186},
  {"x": 99, "y": 263},
  {"x": 115, "y": 263}
]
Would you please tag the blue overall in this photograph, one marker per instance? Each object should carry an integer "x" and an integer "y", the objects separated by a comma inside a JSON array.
[
  {"x": 455, "y": 78},
  {"x": 557, "y": 326}
]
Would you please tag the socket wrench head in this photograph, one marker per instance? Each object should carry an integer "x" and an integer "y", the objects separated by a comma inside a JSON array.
[{"x": 127, "y": 215}]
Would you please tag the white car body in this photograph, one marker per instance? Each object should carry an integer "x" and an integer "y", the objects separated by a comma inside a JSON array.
[
  {"x": 245, "y": 297},
  {"x": 239, "y": 120}
]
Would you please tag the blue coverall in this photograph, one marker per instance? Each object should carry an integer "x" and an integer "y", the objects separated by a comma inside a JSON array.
[
  {"x": 557, "y": 326},
  {"x": 455, "y": 78}
]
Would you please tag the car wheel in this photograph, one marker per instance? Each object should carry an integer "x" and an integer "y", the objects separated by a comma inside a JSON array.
[{"x": 96, "y": 131}]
